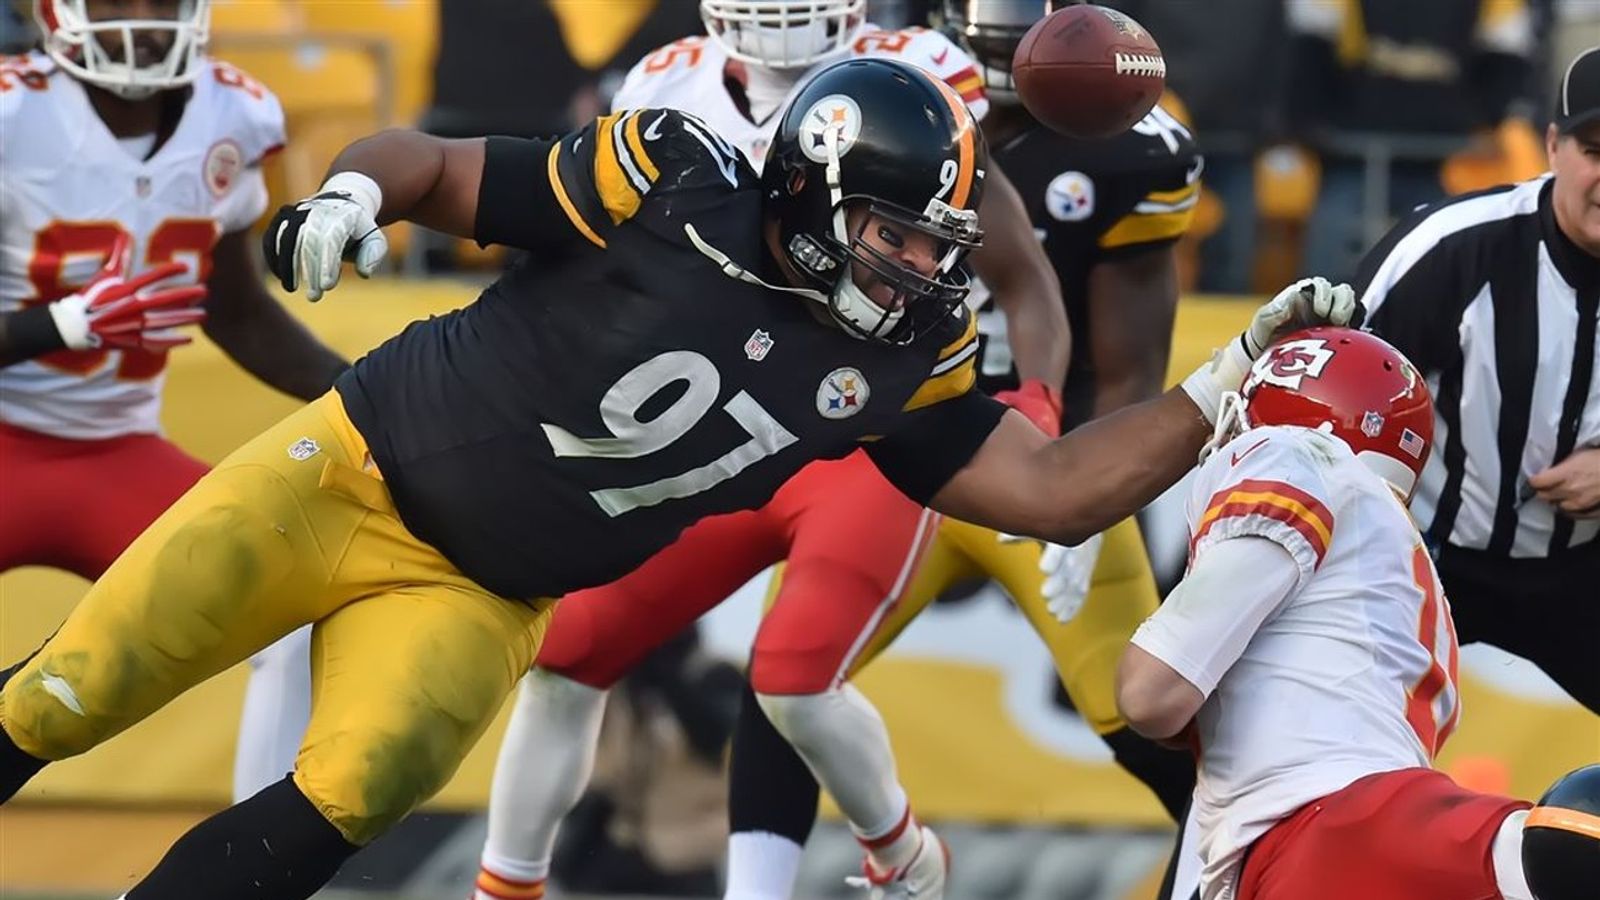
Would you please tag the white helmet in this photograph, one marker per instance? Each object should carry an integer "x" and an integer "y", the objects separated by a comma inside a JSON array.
[
  {"x": 72, "y": 40},
  {"x": 783, "y": 34}
]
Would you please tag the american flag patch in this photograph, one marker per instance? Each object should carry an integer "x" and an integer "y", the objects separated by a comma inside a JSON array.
[{"x": 1412, "y": 443}]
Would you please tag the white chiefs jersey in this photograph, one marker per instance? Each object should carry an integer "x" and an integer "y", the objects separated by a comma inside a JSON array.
[
  {"x": 1352, "y": 674},
  {"x": 690, "y": 74},
  {"x": 68, "y": 190}
]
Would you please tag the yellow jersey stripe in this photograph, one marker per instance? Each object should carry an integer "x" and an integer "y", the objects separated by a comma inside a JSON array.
[
  {"x": 1143, "y": 228},
  {"x": 968, "y": 335},
  {"x": 947, "y": 386},
  {"x": 553, "y": 164},
  {"x": 1302, "y": 512},
  {"x": 641, "y": 158},
  {"x": 617, "y": 193},
  {"x": 1177, "y": 196}
]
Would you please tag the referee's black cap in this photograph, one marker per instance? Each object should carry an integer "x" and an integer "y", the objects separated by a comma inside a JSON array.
[{"x": 1578, "y": 101}]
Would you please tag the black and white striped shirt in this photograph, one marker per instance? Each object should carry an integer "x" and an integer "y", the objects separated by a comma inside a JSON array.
[{"x": 1498, "y": 308}]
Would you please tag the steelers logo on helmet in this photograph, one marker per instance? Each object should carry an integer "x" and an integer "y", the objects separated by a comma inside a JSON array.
[
  {"x": 1561, "y": 838},
  {"x": 836, "y": 113},
  {"x": 843, "y": 393}
]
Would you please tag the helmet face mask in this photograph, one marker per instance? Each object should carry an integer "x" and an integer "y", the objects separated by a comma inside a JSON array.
[
  {"x": 104, "y": 52},
  {"x": 877, "y": 141},
  {"x": 990, "y": 30},
  {"x": 917, "y": 300},
  {"x": 782, "y": 34},
  {"x": 1346, "y": 383}
]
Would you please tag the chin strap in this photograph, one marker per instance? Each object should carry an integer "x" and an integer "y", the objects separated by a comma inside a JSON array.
[
  {"x": 1231, "y": 422},
  {"x": 740, "y": 273}
]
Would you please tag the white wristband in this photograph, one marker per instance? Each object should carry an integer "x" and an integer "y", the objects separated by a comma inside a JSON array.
[
  {"x": 71, "y": 316},
  {"x": 1225, "y": 372},
  {"x": 361, "y": 188}
]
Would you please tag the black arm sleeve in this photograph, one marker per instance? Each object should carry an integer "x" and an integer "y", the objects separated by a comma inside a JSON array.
[
  {"x": 517, "y": 205},
  {"x": 934, "y": 443},
  {"x": 27, "y": 333}
]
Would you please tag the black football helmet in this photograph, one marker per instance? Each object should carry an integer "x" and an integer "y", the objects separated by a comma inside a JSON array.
[
  {"x": 889, "y": 136},
  {"x": 990, "y": 30},
  {"x": 1561, "y": 838}
]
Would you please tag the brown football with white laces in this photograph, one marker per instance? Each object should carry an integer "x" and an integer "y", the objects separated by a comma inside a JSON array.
[{"x": 1088, "y": 71}]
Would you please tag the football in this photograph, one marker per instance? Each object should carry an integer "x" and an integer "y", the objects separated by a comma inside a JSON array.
[{"x": 1088, "y": 71}]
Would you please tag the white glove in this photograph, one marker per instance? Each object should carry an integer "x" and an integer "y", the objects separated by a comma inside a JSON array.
[
  {"x": 306, "y": 243},
  {"x": 1307, "y": 302},
  {"x": 1067, "y": 572}
]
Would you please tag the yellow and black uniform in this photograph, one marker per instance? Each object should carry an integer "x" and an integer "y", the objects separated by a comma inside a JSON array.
[
  {"x": 592, "y": 403},
  {"x": 1092, "y": 201}
]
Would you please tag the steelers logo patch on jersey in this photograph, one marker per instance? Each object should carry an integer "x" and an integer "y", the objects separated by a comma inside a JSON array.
[
  {"x": 842, "y": 394},
  {"x": 1070, "y": 197},
  {"x": 835, "y": 113}
]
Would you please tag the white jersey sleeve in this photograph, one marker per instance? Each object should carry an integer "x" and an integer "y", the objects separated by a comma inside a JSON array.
[
  {"x": 1204, "y": 625},
  {"x": 1271, "y": 483},
  {"x": 932, "y": 51},
  {"x": 250, "y": 116}
]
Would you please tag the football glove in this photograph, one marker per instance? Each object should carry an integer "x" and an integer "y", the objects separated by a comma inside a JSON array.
[
  {"x": 116, "y": 312},
  {"x": 306, "y": 243},
  {"x": 1040, "y": 402},
  {"x": 1307, "y": 302},
  {"x": 1067, "y": 572}
]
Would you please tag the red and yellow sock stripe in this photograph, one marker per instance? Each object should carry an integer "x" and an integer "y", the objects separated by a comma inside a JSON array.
[{"x": 491, "y": 885}]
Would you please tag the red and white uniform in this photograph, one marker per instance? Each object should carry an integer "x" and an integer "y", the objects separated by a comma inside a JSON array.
[
  {"x": 1342, "y": 691},
  {"x": 690, "y": 74},
  {"x": 68, "y": 188},
  {"x": 85, "y": 470}
]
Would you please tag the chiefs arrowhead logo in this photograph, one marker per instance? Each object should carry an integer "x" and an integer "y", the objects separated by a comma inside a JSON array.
[{"x": 223, "y": 163}]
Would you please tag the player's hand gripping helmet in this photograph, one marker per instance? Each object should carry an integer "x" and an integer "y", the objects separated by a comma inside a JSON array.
[
  {"x": 1347, "y": 383},
  {"x": 782, "y": 34},
  {"x": 77, "y": 43},
  {"x": 900, "y": 143},
  {"x": 990, "y": 30}
]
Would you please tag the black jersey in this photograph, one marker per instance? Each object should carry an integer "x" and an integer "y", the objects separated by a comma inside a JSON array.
[
  {"x": 620, "y": 384},
  {"x": 1091, "y": 201}
]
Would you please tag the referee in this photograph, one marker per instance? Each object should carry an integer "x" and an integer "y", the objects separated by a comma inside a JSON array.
[{"x": 1494, "y": 295}]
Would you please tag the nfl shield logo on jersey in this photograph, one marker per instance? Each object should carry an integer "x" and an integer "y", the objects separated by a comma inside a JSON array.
[
  {"x": 1371, "y": 424},
  {"x": 842, "y": 394},
  {"x": 758, "y": 346},
  {"x": 303, "y": 449}
]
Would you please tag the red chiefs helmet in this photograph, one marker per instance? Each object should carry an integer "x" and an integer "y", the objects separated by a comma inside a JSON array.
[{"x": 1350, "y": 384}]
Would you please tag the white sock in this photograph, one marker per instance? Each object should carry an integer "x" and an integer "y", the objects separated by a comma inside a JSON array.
[
  {"x": 843, "y": 740},
  {"x": 1507, "y": 855},
  {"x": 544, "y": 764},
  {"x": 761, "y": 866},
  {"x": 277, "y": 706}
]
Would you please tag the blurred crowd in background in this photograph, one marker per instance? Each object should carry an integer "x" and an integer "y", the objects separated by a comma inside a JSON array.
[{"x": 1321, "y": 120}]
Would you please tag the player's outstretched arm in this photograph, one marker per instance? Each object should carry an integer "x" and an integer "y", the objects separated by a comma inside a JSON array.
[
  {"x": 389, "y": 176},
  {"x": 1065, "y": 490},
  {"x": 1023, "y": 283}
]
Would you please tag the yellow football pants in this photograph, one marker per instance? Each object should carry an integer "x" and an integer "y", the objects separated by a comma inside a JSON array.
[
  {"x": 410, "y": 659},
  {"x": 1122, "y": 593}
]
